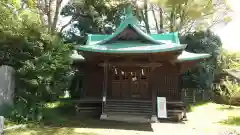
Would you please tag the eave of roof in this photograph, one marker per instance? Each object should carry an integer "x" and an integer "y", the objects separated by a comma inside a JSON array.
[
  {"x": 187, "y": 56},
  {"x": 132, "y": 48}
]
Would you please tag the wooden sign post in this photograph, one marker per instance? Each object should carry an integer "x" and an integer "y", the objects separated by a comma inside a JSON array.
[
  {"x": 1, "y": 125},
  {"x": 161, "y": 107}
]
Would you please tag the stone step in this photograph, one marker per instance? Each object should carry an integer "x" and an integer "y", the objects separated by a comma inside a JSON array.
[
  {"x": 128, "y": 111},
  {"x": 129, "y": 105},
  {"x": 128, "y": 118}
]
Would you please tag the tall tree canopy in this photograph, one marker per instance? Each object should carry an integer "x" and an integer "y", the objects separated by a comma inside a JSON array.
[{"x": 102, "y": 16}]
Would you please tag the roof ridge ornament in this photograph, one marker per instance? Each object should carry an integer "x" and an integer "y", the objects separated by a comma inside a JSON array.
[{"x": 129, "y": 17}]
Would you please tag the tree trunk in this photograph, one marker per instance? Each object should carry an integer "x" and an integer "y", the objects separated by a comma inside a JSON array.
[
  {"x": 161, "y": 20},
  {"x": 146, "y": 16},
  {"x": 40, "y": 8},
  {"x": 55, "y": 19},
  {"x": 155, "y": 19},
  {"x": 48, "y": 13},
  {"x": 137, "y": 9},
  {"x": 172, "y": 20}
]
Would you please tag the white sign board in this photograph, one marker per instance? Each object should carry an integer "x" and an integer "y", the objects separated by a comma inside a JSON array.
[
  {"x": 161, "y": 107},
  {"x": 1, "y": 124},
  {"x": 104, "y": 99}
]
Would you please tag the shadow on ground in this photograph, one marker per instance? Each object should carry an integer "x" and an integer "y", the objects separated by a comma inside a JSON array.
[
  {"x": 66, "y": 117},
  {"x": 99, "y": 124},
  {"x": 54, "y": 118}
]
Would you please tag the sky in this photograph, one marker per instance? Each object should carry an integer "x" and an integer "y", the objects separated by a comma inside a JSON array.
[{"x": 231, "y": 32}]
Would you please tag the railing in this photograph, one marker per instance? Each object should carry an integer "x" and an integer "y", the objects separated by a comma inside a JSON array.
[{"x": 192, "y": 95}]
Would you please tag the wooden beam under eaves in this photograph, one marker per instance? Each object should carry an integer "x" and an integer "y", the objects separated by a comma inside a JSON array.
[{"x": 132, "y": 64}]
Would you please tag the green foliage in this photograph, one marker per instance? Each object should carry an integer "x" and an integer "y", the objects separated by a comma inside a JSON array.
[
  {"x": 190, "y": 15},
  {"x": 93, "y": 16},
  {"x": 231, "y": 92},
  {"x": 41, "y": 61},
  {"x": 203, "y": 75},
  {"x": 232, "y": 87},
  {"x": 232, "y": 121},
  {"x": 227, "y": 89},
  {"x": 229, "y": 60}
]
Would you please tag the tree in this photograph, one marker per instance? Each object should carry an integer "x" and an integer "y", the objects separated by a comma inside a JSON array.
[
  {"x": 93, "y": 16},
  {"x": 146, "y": 16},
  {"x": 46, "y": 11},
  {"x": 203, "y": 75},
  {"x": 188, "y": 15},
  {"x": 41, "y": 60}
]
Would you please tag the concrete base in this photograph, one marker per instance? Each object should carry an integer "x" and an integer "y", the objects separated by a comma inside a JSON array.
[
  {"x": 154, "y": 119},
  {"x": 103, "y": 116}
]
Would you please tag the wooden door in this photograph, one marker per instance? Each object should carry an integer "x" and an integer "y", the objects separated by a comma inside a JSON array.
[
  {"x": 120, "y": 85},
  {"x": 130, "y": 85},
  {"x": 139, "y": 85}
]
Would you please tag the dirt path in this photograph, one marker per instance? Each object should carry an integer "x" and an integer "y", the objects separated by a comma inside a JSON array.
[{"x": 166, "y": 129}]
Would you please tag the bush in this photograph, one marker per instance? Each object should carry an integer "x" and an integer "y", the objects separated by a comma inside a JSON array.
[
  {"x": 229, "y": 92},
  {"x": 41, "y": 60},
  {"x": 232, "y": 91},
  {"x": 229, "y": 60}
]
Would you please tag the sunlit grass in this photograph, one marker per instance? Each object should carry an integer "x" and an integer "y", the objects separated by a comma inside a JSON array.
[
  {"x": 210, "y": 113},
  {"x": 8, "y": 123},
  {"x": 39, "y": 130},
  {"x": 53, "y": 104},
  {"x": 232, "y": 121}
]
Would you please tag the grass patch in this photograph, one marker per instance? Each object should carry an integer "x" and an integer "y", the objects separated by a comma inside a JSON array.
[
  {"x": 232, "y": 121},
  {"x": 8, "y": 123},
  {"x": 210, "y": 113},
  {"x": 43, "y": 130}
]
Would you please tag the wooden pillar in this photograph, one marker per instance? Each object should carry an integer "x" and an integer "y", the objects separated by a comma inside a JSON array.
[
  {"x": 154, "y": 99},
  {"x": 105, "y": 87}
]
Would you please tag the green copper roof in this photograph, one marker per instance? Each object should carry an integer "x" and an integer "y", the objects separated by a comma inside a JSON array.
[
  {"x": 164, "y": 38},
  {"x": 153, "y": 42},
  {"x": 131, "y": 47},
  {"x": 167, "y": 37},
  {"x": 187, "y": 56}
]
